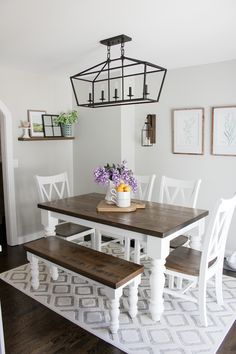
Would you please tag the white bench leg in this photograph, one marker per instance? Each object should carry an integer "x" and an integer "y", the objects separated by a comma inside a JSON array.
[
  {"x": 34, "y": 270},
  {"x": 114, "y": 300},
  {"x": 54, "y": 272},
  {"x": 133, "y": 297}
]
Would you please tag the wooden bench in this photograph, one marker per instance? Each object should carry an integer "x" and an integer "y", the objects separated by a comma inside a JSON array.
[{"x": 102, "y": 269}]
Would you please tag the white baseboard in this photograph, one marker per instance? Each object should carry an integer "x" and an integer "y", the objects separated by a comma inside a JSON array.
[{"x": 30, "y": 237}]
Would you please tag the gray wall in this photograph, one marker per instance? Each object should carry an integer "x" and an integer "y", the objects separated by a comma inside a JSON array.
[
  {"x": 201, "y": 86},
  {"x": 21, "y": 91}
]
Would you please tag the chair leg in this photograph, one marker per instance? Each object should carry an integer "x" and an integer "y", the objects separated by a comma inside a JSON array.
[
  {"x": 202, "y": 302},
  {"x": 98, "y": 240},
  {"x": 137, "y": 251},
  {"x": 127, "y": 249},
  {"x": 93, "y": 240},
  {"x": 179, "y": 283},
  {"x": 218, "y": 287},
  {"x": 171, "y": 281}
]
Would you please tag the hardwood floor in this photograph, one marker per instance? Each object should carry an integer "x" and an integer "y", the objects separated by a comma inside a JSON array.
[{"x": 31, "y": 328}]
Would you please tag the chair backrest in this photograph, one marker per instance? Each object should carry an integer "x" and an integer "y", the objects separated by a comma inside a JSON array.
[
  {"x": 145, "y": 187},
  {"x": 179, "y": 192},
  {"x": 216, "y": 235},
  {"x": 53, "y": 187}
]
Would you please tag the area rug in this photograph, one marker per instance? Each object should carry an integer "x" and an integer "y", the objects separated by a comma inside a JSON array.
[{"x": 86, "y": 305}]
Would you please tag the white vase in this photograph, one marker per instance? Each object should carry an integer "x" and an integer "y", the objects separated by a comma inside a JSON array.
[{"x": 108, "y": 193}]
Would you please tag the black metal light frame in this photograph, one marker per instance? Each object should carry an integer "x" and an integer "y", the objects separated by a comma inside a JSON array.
[{"x": 106, "y": 68}]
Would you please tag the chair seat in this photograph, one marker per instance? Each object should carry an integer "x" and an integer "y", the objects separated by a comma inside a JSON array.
[
  {"x": 69, "y": 229},
  {"x": 178, "y": 241},
  {"x": 184, "y": 260}
]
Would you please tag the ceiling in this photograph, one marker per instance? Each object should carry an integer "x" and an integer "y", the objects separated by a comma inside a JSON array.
[{"x": 63, "y": 35}]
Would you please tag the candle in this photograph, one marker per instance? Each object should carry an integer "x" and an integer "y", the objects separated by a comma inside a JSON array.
[
  {"x": 102, "y": 95},
  {"x": 146, "y": 89},
  {"x": 116, "y": 92},
  {"x": 90, "y": 97},
  {"x": 130, "y": 91}
]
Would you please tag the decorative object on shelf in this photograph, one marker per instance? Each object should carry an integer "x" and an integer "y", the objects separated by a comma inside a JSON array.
[
  {"x": 113, "y": 176},
  {"x": 224, "y": 131},
  {"x": 188, "y": 131},
  {"x": 66, "y": 120},
  {"x": 36, "y": 123},
  {"x": 111, "y": 82},
  {"x": 25, "y": 125},
  {"x": 148, "y": 134},
  {"x": 50, "y": 126}
]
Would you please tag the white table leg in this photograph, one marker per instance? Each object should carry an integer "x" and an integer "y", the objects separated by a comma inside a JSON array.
[
  {"x": 158, "y": 250},
  {"x": 48, "y": 222}
]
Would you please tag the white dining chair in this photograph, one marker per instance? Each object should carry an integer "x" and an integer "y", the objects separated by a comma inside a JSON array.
[
  {"x": 144, "y": 192},
  {"x": 57, "y": 187},
  {"x": 197, "y": 267},
  {"x": 179, "y": 192}
]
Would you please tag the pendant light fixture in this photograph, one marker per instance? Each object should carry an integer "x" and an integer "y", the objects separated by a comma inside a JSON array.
[{"x": 120, "y": 81}]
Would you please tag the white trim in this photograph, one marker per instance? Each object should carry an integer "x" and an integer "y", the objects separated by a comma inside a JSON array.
[
  {"x": 8, "y": 174},
  {"x": 30, "y": 237}
]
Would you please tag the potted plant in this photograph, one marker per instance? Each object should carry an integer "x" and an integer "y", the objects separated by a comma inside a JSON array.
[{"x": 66, "y": 120}]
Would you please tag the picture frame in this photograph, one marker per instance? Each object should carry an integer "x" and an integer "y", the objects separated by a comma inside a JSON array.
[
  {"x": 36, "y": 123},
  {"x": 188, "y": 131},
  {"x": 51, "y": 129},
  {"x": 223, "y": 140}
]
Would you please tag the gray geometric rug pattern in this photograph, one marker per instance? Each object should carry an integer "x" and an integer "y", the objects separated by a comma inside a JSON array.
[{"x": 178, "y": 332}]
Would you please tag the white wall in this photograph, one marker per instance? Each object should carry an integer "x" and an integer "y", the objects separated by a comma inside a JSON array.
[
  {"x": 98, "y": 141},
  {"x": 202, "y": 86},
  {"x": 21, "y": 91}
]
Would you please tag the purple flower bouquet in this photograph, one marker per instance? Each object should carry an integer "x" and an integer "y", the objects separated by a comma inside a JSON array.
[{"x": 117, "y": 174}]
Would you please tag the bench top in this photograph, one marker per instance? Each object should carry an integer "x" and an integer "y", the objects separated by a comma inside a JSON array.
[{"x": 101, "y": 267}]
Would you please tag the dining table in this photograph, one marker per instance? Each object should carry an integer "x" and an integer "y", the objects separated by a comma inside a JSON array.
[{"x": 155, "y": 225}]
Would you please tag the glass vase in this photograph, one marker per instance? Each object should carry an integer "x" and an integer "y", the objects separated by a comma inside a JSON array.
[{"x": 108, "y": 193}]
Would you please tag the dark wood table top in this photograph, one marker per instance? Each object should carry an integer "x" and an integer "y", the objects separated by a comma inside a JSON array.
[{"x": 156, "y": 219}]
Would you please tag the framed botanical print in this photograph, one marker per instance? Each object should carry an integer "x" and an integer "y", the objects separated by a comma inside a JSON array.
[
  {"x": 188, "y": 131},
  {"x": 36, "y": 123},
  {"x": 224, "y": 131},
  {"x": 50, "y": 126}
]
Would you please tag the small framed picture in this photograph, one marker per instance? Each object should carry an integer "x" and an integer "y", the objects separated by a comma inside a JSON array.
[
  {"x": 36, "y": 123},
  {"x": 224, "y": 131},
  {"x": 188, "y": 131},
  {"x": 50, "y": 127}
]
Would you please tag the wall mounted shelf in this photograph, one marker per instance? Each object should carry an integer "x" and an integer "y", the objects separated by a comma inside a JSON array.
[{"x": 47, "y": 138}]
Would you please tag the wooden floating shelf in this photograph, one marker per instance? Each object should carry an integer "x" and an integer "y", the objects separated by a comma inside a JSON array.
[{"x": 47, "y": 138}]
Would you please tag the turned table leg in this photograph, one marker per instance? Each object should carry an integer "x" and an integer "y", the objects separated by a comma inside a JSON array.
[{"x": 158, "y": 250}]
